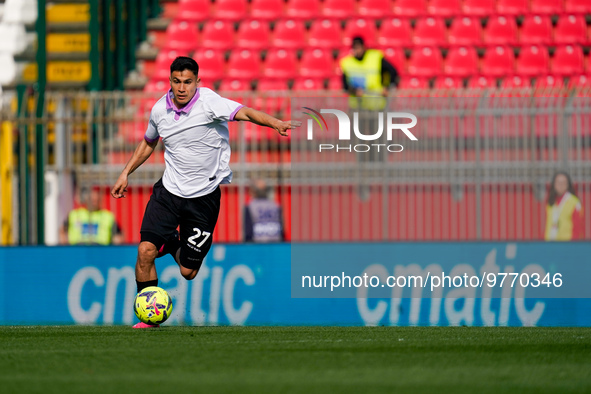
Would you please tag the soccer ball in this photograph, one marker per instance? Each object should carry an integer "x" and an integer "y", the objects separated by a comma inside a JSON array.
[{"x": 152, "y": 305}]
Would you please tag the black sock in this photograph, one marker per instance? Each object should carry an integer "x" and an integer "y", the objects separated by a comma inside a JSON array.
[{"x": 142, "y": 285}]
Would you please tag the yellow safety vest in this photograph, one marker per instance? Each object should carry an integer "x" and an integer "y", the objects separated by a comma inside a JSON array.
[
  {"x": 365, "y": 74},
  {"x": 85, "y": 227},
  {"x": 559, "y": 218}
]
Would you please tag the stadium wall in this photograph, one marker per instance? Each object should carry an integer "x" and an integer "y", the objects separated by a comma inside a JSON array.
[{"x": 250, "y": 285}]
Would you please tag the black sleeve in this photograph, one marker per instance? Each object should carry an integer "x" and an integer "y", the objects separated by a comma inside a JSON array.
[
  {"x": 248, "y": 234},
  {"x": 390, "y": 70},
  {"x": 345, "y": 83}
]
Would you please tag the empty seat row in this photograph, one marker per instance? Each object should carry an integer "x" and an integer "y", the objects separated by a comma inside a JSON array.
[
  {"x": 247, "y": 64},
  {"x": 235, "y": 10},
  {"x": 335, "y": 83},
  {"x": 416, "y": 8},
  {"x": 498, "y": 61},
  {"x": 327, "y": 33},
  {"x": 480, "y": 82}
]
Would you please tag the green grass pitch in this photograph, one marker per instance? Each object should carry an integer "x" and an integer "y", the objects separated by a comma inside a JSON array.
[{"x": 76, "y": 359}]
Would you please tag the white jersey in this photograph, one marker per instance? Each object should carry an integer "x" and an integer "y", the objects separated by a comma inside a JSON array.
[{"x": 196, "y": 142}]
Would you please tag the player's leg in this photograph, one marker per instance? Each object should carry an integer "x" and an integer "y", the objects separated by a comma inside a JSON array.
[
  {"x": 198, "y": 221},
  {"x": 159, "y": 224},
  {"x": 188, "y": 273},
  {"x": 145, "y": 269}
]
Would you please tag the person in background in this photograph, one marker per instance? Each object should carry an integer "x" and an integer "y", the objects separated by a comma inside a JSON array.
[
  {"x": 262, "y": 216},
  {"x": 366, "y": 73},
  {"x": 89, "y": 224},
  {"x": 564, "y": 212},
  {"x": 367, "y": 78}
]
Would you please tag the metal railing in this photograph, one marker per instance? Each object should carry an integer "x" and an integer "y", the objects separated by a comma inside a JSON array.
[{"x": 479, "y": 171}]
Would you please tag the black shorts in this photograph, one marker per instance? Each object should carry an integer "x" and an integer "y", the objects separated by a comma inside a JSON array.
[{"x": 196, "y": 217}]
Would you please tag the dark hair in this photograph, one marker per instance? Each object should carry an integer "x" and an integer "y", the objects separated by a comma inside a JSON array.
[
  {"x": 182, "y": 63},
  {"x": 357, "y": 40},
  {"x": 552, "y": 192}
]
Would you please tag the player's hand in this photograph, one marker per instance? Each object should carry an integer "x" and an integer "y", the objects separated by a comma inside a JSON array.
[
  {"x": 284, "y": 126},
  {"x": 120, "y": 187}
]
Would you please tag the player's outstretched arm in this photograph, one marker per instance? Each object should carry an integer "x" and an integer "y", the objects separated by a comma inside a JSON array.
[
  {"x": 141, "y": 154},
  {"x": 263, "y": 119}
]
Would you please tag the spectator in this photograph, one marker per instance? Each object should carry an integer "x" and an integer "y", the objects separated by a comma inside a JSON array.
[
  {"x": 89, "y": 224},
  {"x": 564, "y": 212},
  {"x": 367, "y": 77},
  {"x": 262, "y": 216}
]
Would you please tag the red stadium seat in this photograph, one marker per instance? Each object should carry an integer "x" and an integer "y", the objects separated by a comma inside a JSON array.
[
  {"x": 244, "y": 64},
  {"x": 482, "y": 82},
  {"x": 413, "y": 83},
  {"x": 325, "y": 33},
  {"x": 461, "y": 62},
  {"x": 448, "y": 83},
  {"x": 500, "y": 30},
  {"x": 498, "y": 61},
  {"x": 568, "y": 60},
  {"x": 516, "y": 82},
  {"x": 211, "y": 64},
  {"x": 181, "y": 36},
  {"x": 265, "y": 85},
  {"x": 217, "y": 35},
  {"x": 193, "y": 10},
  {"x": 580, "y": 81},
  {"x": 549, "y": 82},
  {"x": 206, "y": 83},
  {"x": 465, "y": 31},
  {"x": 335, "y": 83},
  {"x": 577, "y": 6},
  {"x": 546, "y": 6},
  {"x": 170, "y": 10},
  {"x": 410, "y": 8},
  {"x": 571, "y": 29},
  {"x": 289, "y": 34},
  {"x": 234, "y": 85},
  {"x": 396, "y": 57},
  {"x": 157, "y": 85},
  {"x": 308, "y": 84},
  {"x": 395, "y": 32},
  {"x": 425, "y": 62},
  {"x": 512, "y": 7},
  {"x": 266, "y": 9},
  {"x": 445, "y": 7},
  {"x": 429, "y": 31},
  {"x": 345, "y": 51},
  {"x": 163, "y": 61},
  {"x": 479, "y": 7},
  {"x": 270, "y": 104},
  {"x": 253, "y": 35},
  {"x": 375, "y": 8},
  {"x": 231, "y": 10},
  {"x": 316, "y": 63},
  {"x": 536, "y": 29},
  {"x": 533, "y": 60},
  {"x": 303, "y": 9},
  {"x": 338, "y": 9},
  {"x": 280, "y": 63},
  {"x": 360, "y": 27}
]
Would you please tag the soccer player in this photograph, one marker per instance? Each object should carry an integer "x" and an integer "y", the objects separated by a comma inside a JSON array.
[{"x": 193, "y": 124}]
